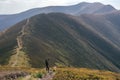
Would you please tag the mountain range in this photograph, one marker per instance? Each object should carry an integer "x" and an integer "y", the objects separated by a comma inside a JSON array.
[
  {"x": 81, "y": 8},
  {"x": 82, "y": 35}
]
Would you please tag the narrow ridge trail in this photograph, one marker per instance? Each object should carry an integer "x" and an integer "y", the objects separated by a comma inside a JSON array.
[
  {"x": 19, "y": 38},
  {"x": 20, "y": 45}
]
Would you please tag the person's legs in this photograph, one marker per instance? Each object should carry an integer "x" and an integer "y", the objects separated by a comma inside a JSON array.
[{"x": 47, "y": 68}]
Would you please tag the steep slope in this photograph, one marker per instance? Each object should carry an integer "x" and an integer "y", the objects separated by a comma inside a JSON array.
[
  {"x": 11, "y": 49},
  {"x": 114, "y": 18},
  {"x": 8, "y": 43},
  {"x": 62, "y": 39},
  {"x": 2, "y": 19},
  {"x": 20, "y": 59},
  {"x": 107, "y": 26},
  {"x": 82, "y": 8}
]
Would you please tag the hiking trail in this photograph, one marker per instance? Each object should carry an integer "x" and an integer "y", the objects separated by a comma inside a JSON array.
[
  {"x": 19, "y": 55},
  {"x": 48, "y": 76}
]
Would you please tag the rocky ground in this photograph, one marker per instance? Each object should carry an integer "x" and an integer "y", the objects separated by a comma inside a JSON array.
[{"x": 12, "y": 75}]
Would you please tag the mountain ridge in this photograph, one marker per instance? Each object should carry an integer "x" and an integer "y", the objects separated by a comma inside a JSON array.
[
  {"x": 64, "y": 40},
  {"x": 88, "y": 8}
]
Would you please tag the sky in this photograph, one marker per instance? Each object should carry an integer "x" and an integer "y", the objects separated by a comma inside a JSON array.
[{"x": 17, "y": 6}]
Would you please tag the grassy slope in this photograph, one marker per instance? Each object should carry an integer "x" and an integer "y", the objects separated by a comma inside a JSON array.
[
  {"x": 8, "y": 43},
  {"x": 109, "y": 32},
  {"x": 64, "y": 41}
]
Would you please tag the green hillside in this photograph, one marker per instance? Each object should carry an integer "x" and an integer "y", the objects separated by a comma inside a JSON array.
[{"x": 62, "y": 39}]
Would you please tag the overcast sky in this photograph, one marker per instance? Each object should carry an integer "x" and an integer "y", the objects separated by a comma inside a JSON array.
[{"x": 16, "y": 6}]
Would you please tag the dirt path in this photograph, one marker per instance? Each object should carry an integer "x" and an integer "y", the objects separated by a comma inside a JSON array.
[
  {"x": 48, "y": 76},
  {"x": 20, "y": 44},
  {"x": 19, "y": 38}
]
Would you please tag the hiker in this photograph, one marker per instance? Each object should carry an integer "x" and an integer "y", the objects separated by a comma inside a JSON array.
[{"x": 47, "y": 65}]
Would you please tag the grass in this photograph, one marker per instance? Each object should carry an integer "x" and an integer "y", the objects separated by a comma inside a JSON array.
[
  {"x": 20, "y": 59},
  {"x": 66, "y": 73},
  {"x": 34, "y": 74},
  {"x": 60, "y": 38},
  {"x": 84, "y": 74},
  {"x": 38, "y": 75}
]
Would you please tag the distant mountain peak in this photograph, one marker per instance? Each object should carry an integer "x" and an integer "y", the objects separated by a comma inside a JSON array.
[
  {"x": 87, "y": 3},
  {"x": 94, "y": 3},
  {"x": 90, "y": 3},
  {"x": 110, "y": 6}
]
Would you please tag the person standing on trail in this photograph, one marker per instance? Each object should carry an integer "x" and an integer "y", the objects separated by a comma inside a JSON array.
[{"x": 47, "y": 65}]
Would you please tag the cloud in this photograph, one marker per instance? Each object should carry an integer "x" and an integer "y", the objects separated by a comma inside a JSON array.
[{"x": 15, "y": 6}]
